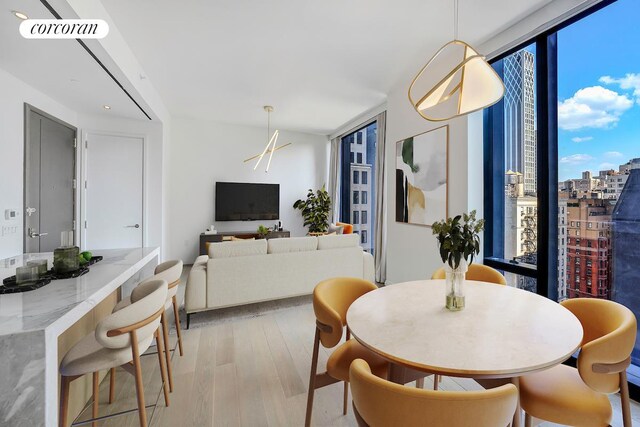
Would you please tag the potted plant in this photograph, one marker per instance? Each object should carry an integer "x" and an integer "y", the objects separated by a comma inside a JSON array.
[
  {"x": 315, "y": 210},
  {"x": 458, "y": 241},
  {"x": 262, "y": 231}
]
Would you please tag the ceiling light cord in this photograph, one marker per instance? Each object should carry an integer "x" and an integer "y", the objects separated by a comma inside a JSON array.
[{"x": 455, "y": 19}]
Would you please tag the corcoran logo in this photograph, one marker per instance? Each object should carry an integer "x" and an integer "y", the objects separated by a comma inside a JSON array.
[{"x": 64, "y": 29}]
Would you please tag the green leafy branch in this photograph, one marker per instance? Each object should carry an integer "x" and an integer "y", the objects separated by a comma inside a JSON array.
[
  {"x": 458, "y": 238},
  {"x": 315, "y": 210}
]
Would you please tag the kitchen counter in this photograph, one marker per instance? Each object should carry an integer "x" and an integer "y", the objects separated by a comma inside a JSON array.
[{"x": 30, "y": 323}]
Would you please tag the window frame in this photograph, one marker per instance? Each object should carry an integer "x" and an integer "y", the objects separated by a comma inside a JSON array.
[{"x": 547, "y": 170}]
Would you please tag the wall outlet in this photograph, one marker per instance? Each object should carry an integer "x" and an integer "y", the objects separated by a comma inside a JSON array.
[{"x": 8, "y": 230}]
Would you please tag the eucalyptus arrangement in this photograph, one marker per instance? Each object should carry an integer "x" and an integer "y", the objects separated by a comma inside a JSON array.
[
  {"x": 458, "y": 242},
  {"x": 315, "y": 210}
]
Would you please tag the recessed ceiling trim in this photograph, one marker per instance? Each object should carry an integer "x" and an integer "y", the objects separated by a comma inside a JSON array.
[{"x": 106, "y": 70}]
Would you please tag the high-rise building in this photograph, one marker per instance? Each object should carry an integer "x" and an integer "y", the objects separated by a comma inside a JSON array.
[
  {"x": 519, "y": 117},
  {"x": 362, "y": 144},
  {"x": 588, "y": 247}
]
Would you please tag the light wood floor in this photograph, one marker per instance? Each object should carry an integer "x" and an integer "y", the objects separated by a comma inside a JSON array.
[{"x": 248, "y": 370}]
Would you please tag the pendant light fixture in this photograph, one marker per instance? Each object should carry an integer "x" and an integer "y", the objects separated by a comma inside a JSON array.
[
  {"x": 456, "y": 81},
  {"x": 272, "y": 141}
]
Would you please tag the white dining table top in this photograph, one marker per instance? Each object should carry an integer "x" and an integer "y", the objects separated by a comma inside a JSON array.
[{"x": 502, "y": 332}]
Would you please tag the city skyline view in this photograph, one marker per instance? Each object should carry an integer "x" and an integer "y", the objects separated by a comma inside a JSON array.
[{"x": 599, "y": 91}]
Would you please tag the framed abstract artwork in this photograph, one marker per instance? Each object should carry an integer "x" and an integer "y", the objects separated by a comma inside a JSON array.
[{"x": 422, "y": 176}]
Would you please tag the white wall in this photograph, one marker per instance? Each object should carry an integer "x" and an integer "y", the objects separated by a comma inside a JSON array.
[
  {"x": 14, "y": 93},
  {"x": 412, "y": 252},
  {"x": 203, "y": 152},
  {"x": 153, "y": 165}
]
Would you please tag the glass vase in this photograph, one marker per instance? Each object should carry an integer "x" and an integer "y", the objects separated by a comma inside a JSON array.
[
  {"x": 65, "y": 258},
  {"x": 454, "y": 278}
]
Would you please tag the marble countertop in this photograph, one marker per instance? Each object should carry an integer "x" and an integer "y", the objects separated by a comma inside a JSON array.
[{"x": 63, "y": 302}]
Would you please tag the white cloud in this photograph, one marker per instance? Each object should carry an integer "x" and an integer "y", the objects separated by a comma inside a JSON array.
[
  {"x": 613, "y": 154},
  {"x": 582, "y": 138},
  {"x": 592, "y": 107},
  {"x": 629, "y": 81},
  {"x": 576, "y": 159},
  {"x": 606, "y": 166}
]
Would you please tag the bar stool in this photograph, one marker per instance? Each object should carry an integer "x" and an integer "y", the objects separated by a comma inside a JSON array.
[
  {"x": 119, "y": 339},
  {"x": 170, "y": 271}
]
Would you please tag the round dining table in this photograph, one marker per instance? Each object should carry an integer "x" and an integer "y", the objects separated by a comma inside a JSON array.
[{"x": 503, "y": 332}]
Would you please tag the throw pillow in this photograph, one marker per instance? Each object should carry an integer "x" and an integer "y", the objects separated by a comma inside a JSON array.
[{"x": 335, "y": 229}]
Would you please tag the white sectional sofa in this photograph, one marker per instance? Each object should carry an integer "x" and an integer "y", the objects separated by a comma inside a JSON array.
[{"x": 243, "y": 272}]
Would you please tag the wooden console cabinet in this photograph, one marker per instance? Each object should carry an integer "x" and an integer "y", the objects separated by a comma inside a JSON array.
[{"x": 220, "y": 236}]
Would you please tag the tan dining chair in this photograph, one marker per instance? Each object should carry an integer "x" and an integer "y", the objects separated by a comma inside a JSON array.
[
  {"x": 571, "y": 396},
  {"x": 331, "y": 300},
  {"x": 479, "y": 272},
  {"x": 169, "y": 271},
  {"x": 381, "y": 403},
  {"x": 119, "y": 339}
]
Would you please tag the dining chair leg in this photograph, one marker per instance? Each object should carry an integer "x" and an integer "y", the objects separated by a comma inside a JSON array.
[
  {"x": 528, "y": 421},
  {"x": 142, "y": 410},
  {"x": 436, "y": 381},
  {"x": 167, "y": 353},
  {"x": 96, "y": 390},
  {"x": 312, "y": 378},
  {"x": 346, "y": 398},
  {"x": 64, "y": 401},
  {"x": 112, "y": 385},
  {"x": 163, "y": 371},
  {"x": 624, "y": 400},
  {"x": 178, "y": 331},
  {"x": 420, "y": 383}
]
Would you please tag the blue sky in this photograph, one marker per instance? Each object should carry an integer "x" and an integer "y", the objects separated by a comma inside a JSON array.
[{"x": 599, "y": 90}]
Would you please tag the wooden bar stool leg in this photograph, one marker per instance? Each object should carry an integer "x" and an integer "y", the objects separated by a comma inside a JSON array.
[
  {"x": 436, "y": 381},
  {"x": 142, "y": 410},
  {"x": 624, "y": 400},
  {"x": 112, "y": 385},
  {"x": 346, "y": 398},
  {"x": 64, "y": 400},
  {"x": 167, "y": 353},
  {"x": 163, "y": 372},
  {"x": 420, "y": 383},
  {"x": 96, "y": 390},
  {"x": 177, "y": 316}
]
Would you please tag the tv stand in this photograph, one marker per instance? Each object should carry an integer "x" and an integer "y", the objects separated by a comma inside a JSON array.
[{"x": 220, "y": 236}]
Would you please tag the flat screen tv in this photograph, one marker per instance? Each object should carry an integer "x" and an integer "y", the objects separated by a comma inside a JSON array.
[{"x": 237, "y": 201}]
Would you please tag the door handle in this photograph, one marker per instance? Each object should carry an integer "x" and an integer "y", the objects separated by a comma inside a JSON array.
[
  {"x": 132, "y": 226},
  {"x": 33, "y": 234}
]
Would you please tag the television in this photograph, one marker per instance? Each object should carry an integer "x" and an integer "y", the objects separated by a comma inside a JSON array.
[{"x": 237, "y": 201}]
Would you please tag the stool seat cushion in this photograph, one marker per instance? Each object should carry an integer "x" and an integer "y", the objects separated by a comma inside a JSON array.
[
  {"x": 559, "y": 395},
  {"x": 340, "y": 360},
  {"x": 89, "y": 356}
]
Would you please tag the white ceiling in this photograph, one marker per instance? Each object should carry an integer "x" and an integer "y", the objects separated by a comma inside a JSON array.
[
  {"x": 320, "y": 63},
  {"x": 51, "y": 65}
]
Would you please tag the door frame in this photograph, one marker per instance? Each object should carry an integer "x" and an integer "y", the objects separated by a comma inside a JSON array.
[
  {"x": 28, "y": 108},
  {"x": 86, "y": 133}
]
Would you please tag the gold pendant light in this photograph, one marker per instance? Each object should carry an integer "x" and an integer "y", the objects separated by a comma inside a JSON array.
[
  {"x": 271, "y": 144},
  {"x": 456, "y": 81}
]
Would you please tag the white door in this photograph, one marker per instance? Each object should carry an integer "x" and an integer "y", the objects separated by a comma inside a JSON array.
[{"x": 114, "y": 192}]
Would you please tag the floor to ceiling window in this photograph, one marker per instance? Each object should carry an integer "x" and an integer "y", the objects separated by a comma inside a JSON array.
[
  {"x": 569, "y": 226},
  {"x": 358, "y": 183}
]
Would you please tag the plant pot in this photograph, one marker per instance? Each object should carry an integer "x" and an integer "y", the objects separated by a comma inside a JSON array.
[{"x": 454, "y": 286}]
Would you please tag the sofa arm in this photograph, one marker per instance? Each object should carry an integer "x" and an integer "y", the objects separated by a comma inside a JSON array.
[
  {"x": 369, "y": 270},
  {"x": 195, "y": 297}
]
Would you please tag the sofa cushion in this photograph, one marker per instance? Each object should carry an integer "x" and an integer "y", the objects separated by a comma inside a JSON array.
[
  {"x": 238, "y": 249},
  {"x": 292, "y": 244},
  {"x": 338, "y": 241},
  {"x": 335, "y": 229}
]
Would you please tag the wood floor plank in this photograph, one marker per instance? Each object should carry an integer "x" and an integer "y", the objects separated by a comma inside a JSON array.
[
  {"x": 201, "y": 411},
  {"x": 224, "y": 343},
  {"x": 226, "y": 398},
  {"x": 291, "y": 382},
  {"x": 251, "y": 405}
]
